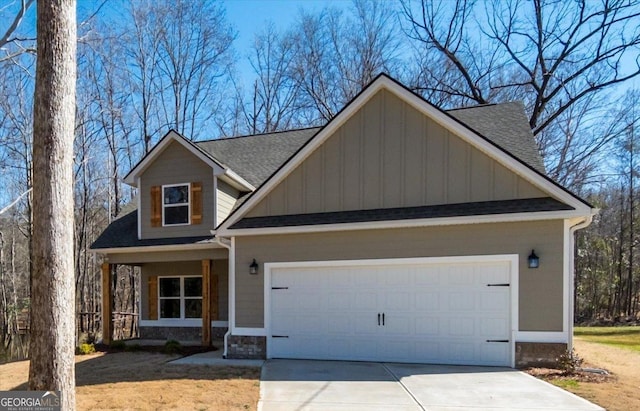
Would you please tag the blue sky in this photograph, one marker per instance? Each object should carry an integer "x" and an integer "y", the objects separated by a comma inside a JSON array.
[{"x": 250, "y": 16}]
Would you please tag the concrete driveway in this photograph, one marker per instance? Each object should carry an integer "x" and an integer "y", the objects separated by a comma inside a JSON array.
[{"x": 341, "y": 385}]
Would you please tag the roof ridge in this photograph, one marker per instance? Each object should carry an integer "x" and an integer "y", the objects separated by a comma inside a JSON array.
[
  {"x": 485, "y": 105},
  {"x": 256, "y": 135}
]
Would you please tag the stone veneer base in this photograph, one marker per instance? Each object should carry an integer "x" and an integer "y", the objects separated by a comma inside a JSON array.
[
  {"x": 531, "y": 354},
  {"x": 528, "y": 354},
  {"x": 179, "y": 333},
  {"x": 246, "y": 347}
]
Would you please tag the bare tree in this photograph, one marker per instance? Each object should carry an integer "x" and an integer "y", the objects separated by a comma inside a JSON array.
[
  {"x": 551, "y": 54},
  {"x": 142, "y": 52},
  {"x": 194, "y": 60},
  {"x": 272, "y": 104},
  {"x": 52, "y": 345},
  {"x": 336, "y": 56},
  {"x": 11, "y": 43},
  {"x": 575, "y": 145}
]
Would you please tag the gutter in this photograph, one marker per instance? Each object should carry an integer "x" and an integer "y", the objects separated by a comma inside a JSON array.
[
  {"x": 232, "y": 284},
  {"x": 582, "y": 224}
]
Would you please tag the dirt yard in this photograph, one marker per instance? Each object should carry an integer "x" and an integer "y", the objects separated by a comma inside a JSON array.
[
  {"x": 617, "y": 391},
  {"x": 144, "y": 381}
]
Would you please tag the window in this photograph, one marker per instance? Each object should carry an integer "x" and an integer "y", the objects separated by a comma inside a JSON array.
[
  {"x": 180, "y": 297},
  {"x": 175, "y": 204}
]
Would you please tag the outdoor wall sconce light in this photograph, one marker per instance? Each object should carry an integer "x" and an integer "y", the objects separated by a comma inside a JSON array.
[
  {"x": 253, "y": 268},
  {"x": 534, "y": 260}
]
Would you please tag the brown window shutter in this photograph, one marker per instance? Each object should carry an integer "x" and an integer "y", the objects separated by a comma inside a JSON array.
[
  {"x": 196, "y": 203},
  {"x": 153, "y": 297},
  {"x": 156, "y": 207}
]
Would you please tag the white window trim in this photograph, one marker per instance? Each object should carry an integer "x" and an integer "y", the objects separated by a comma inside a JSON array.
[
  {"x": 181, "y": 298},
  {"x": 177, "y": 205}
]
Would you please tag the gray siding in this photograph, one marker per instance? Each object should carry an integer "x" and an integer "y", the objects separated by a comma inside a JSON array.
[
  {"x": 390, "y": 155},
  {"x": 226, "y": 200},
  {"x": 177, "y": 165},
  {"x": 540, "y": 294}
]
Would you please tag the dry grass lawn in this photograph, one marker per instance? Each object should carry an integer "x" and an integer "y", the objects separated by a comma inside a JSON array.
[
  {"x": 620, "y": 393},
  {"x": 144, "y": 381}
]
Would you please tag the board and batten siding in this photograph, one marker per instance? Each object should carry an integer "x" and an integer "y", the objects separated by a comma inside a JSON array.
[
  {"x": 176, "y": 165},
  {"x": 219, "y": 268},
  {"x": 540, "y": 290},
  {"x": 390, "y": 155},
  {"x": 227, "y": 197}
]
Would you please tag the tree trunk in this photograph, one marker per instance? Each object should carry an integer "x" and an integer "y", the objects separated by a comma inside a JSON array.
[{"x": 52, "y": 296}]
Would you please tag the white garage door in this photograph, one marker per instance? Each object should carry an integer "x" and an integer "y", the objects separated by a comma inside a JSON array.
[{"x": 444, "y": 313}]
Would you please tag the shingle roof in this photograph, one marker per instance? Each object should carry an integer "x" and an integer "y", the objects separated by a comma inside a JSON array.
[
  {"x": 123, "y": 232},
  {"x": 406, "y": 213},
  {"x": 256, "y": 157},
  {"x": 507, "y": 126}
]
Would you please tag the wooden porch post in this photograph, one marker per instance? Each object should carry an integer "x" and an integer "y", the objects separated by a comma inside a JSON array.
[
  {"x": 206, "y": 303},
  {"x": 107, "y": 323}
]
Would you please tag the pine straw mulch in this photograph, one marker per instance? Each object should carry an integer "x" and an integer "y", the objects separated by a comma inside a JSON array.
[{"x": 551, "y": 375}]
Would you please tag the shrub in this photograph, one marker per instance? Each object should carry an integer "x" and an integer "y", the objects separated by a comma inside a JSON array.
[
  {"x": 172, "y": 347},
  {"x": 569, "y": 361},
  {"x": 85, "y": 349},
  {"x": 118, "y": 345},
  {"x": 133, "y": 348}
]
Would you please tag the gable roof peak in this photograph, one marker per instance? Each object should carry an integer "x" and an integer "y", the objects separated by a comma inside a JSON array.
[
  {"x": 171, "y": 137},
  {"x": 451, "y": 121}
]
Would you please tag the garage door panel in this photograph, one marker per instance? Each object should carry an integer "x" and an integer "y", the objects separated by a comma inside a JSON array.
[
  {"x": 493, "y": 327},
  {"x": 461, "y": 301},
  {"x": 400, "y": 278},
  {"x": 307, "y": 301},
  {"x": 313, "y": 325},
  {"x": 340, "y": 325},
  {"x": 398, "y": 324},
  {"x": 283, "y": 301},
  {"x": 428, "y": 277},
  {"x": 459, "y": 275},
  {"x": 365, "y": 324},
  {"x": 339, "y": 301},
  {"x": 427, "y": 301},
  {"x": 427, "y": 348},
  {"x": 461, "y": 327},
  {"x": 427, "y": 326},
  {"x": 399, "y": 300},
  {"x": 493, "y": 353},
  {"x": 462, "y": 352},
  {"x": 494, "y": 300},
  {"x": 435, "y": 313},
  {"x": 360, "y": 349},
  {"x": 365, "y": 300}
]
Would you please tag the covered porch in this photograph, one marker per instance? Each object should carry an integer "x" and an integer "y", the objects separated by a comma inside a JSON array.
[{"x": 183, "y": 292}]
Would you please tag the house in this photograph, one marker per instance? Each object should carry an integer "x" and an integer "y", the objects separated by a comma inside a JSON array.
[{"x": 396, "y": 232}]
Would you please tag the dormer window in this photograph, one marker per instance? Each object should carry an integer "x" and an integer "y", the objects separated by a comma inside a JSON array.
[{"x": 175, "y": 204}]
